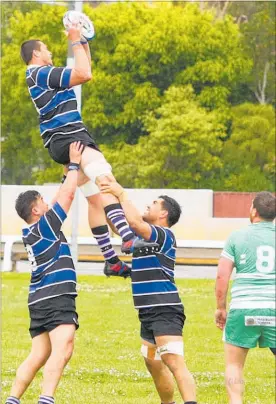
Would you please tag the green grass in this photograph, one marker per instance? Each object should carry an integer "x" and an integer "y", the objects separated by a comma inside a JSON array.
[{"x": 107, "y": 367}]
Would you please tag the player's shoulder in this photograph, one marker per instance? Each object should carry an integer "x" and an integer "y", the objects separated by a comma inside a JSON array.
[
  {"x": 166, "y": 233},
  {"x": 31, "y": 233},
  {"x": 241, "y": 232}
]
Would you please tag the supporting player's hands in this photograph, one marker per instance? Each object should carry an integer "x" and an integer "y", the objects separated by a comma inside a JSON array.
[
  {"x": 75, "y": 152},
  {"x": 220, "y": 318},
  {"x": 112, "y": 187}
]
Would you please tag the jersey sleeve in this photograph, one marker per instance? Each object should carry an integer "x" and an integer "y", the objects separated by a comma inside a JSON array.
[
  {"x": 50, "y": 223},
  {"x": 163, "y": 237},
  {"x": 50, "y": 77},
  {"x": 229, "y": 249}
]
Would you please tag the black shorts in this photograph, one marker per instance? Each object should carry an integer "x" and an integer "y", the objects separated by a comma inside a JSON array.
[
  {"x": 60, "y": 144},
  {"x": 161, "y": 320},
  {"x": 50, "y": 313}
]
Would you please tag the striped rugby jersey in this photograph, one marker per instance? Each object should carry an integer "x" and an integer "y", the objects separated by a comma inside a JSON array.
[
  {"x": 53, "y": 272},
  {"x": 152, "y": 275},
  {"x": 54, "y": 101},
  {"x": 253, "y": 252}
]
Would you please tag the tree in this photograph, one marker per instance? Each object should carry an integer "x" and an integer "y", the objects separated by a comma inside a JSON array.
[
  {"x": 138, "y": 55},
  {"x": 259, "y": 34},
  {"x": 181, "y": 151},
  {"x": 249, "y": 154}
]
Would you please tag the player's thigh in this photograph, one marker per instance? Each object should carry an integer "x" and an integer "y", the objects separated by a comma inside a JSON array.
[
  {"x": 171, "y": 350},
  {"x": 62, "y": 340},
  {"x": 62, "y": 334},
  {"x": 239, "y": 330},
  {"x": 90, "y": 155},
  {"x": 82, "y": 178},
  {"x": 268, "y": 328},
  {"x": 166, "y": 339},
  {"x": 235, "y": 355},
  {"x": 41, "y": 347},
  {"x": 151, "y": 356},
  {"x": 95, "y": 166}
]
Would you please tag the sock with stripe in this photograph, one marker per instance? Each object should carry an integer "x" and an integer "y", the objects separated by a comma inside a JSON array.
[
  {"x": 12, "y": 400},
  {"x": 116, "y": 215},
  {"x": 46, "y": 400},
  {"x": 190, "y": 402},
  {"x": 102, "y": 236}
]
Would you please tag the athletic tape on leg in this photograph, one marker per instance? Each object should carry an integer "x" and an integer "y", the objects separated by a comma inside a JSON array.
[
  {"x": 150, "y": 353},
  {"x": 96, "y": 169},
  {"x": 172, "y": 347},
  {"x": 89, "y": 189}
]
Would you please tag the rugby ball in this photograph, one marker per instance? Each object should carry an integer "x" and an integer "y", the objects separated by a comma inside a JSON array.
[{"x": 76, "y": 17}]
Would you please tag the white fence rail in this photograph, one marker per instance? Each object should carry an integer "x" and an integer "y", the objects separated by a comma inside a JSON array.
[{"x": 202, "y": 251}]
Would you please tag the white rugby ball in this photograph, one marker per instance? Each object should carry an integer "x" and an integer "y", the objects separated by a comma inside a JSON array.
[{"x": 76, "y": 17}]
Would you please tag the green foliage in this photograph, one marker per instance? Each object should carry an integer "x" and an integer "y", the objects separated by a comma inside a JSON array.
[
  {"x": 249, "y": 154},
  {"x": 159, "y": 104},
  {"x": 182, "y": 150},
  {"x": 259, "y": 34},
  {"x": 257, "y": 26}
]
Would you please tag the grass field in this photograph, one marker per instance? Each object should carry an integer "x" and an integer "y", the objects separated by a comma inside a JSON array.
[{"x": 107, "y": 367}]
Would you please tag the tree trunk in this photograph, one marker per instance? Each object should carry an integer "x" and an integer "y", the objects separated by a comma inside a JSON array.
[{"x": 260, "y": 92}]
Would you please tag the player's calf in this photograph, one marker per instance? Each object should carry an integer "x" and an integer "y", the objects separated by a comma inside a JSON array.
[{"x": 161, "y": 375}]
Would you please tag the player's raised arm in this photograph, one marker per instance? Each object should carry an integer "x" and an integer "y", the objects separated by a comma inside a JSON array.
[
  {"x": 67, "y": 190},
  {"x": 85, "y": 46},
  {"x": 133, "y": 216},
  {"x": 81, "y": 72}
]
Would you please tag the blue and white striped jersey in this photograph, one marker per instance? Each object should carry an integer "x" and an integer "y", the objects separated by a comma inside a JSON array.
[
  {"x": 55, "y": 102},
  {"x": 53, "y": 272},
  {"x": 152, "y": 275}
]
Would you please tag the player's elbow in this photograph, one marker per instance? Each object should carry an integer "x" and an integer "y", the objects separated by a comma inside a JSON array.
[
  {"x": 80, "y": 76},
  {"x": 85, "y": 76}
]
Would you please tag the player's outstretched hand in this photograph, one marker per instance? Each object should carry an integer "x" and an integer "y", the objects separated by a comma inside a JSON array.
[
  {"x": 111, "y": 187},
  {"x": 74, "y": 33},
  {"x": 75, "y": 152},
  {"x": 220, "y": 318}
]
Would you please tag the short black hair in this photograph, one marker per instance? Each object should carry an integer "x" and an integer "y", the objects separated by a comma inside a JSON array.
[
  {"x": 265, "y": 204},
  {"x": 24, "y": 204},
  {"x": 172, "y": 207},
  {"x": 27, "y": 49}
]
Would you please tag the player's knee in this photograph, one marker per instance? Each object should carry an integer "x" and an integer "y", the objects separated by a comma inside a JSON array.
[
  {"x": 150, "y": 354},
  {"x": 171, "y": 352},
  {"x": 66, "y": 351},
  {"x": 105, "y": 178},
  {"x": 69, "y": 349},
  {"x": 38, "y": 359},
  {"x": 89, "y": 189},
  {"x": 97, "y": 170}
]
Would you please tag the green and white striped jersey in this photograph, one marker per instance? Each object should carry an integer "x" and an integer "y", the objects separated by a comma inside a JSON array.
[{"x": 253, "y": 252}]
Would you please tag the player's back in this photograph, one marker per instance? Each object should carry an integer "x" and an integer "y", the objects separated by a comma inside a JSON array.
[
  {"x": 54, "y": 100},
  {"x": 53, "y": 272},
  {"x": 253, "y": 252}
]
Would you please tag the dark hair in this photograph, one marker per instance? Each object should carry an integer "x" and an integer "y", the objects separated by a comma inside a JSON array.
[
  {"x": 24, "y": 204},
  {"x": 172, "y": 207},
  {"x": 27, "y": 49},
  {"x": 265, "y": 204}
]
